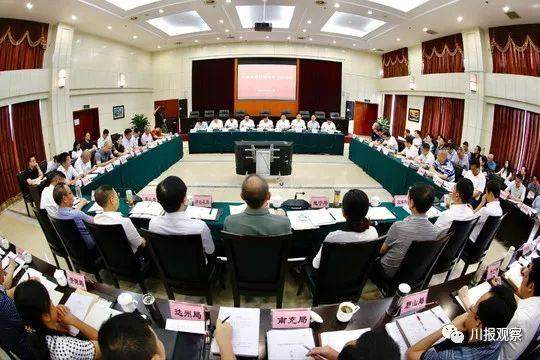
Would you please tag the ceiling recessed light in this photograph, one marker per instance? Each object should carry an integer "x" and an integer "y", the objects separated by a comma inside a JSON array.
[
  {"x": 310, "y": 39},
  {"x": 309, "y": 21},
  {"x": 221, "y": 21},
  {"x": 228, "y": 1},
  {"x": 161, "y": 11},
  {"x": 425, "y": 29},
  {"x": 159, "y": 46},
  {"x": 268, "y": 37},
  {"x": 288, "y": 38},
  {"x": 336, "y": 5},
  {"x": 132, "y": 53},
  {"x": 104, "y": 46},
  {"x": 459, "y": 18},
  {"x": 109, "y": 27},
  {"x": 353, "y": 44},
  {"x": 374, "y": 49},
  {"x": 304, "y": 30},
  {"x": 398, "y": 39},
  {"x": 135, "y": 37},
  {"x": 506, "y": 8},
  {"x": 240, "y": 37},
  {"x": 29, "y": 5},
  {"x": 369, "y": 12},
  {"x": 218, "y": 38},
  {"x": 333, "y": 42},
  {"x": 74, "y": 17},
  {"x": 196, "y": 41}
]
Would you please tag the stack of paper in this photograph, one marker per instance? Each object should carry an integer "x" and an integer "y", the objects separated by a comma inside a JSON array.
[
  {"x": 513, "y": 275},
  {"x": 337, "y": 214},
  {"x": 432, "y": 212},
  {"x": 380, "y": 213},
  {"x": 18, "y": 261},
  {"x": 338, "y": 339},
  {"x": 289, "y": 344},
  {"x": 321, "y": 217},
  {"x": 415, "y": 327},
  {"x": 188, "y": 326},
  {"x": 146, "y": 209},
  {"x": 475, "y": 293},
  {"x": 393, "y": 331},
  {"x": 203, "y": 213},
  {"x": 300, "y": 220},
  {"x": 245, "y": 323},
  {"x": 98, "y": 314},
  {"x": 79, "y": 305}
]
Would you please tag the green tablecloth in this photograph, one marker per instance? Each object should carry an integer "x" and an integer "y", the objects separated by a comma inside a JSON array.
[
  {"x": 303, "y": 143},
  {"x": 388, "y": 170},
  {"x": 140, "y": 170}
]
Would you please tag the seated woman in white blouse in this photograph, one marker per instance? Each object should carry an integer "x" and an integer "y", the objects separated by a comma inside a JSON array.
[
  {"x": 49, "y": 336},
  {"x": 357, "y": 227}
]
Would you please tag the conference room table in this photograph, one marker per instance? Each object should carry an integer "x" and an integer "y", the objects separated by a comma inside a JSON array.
[
  {"x": 303, "y": 142},
  {"x": 388, "y": 170},
  {"x": 179, "y": 345},
  {"x": 139, "y": 170}
]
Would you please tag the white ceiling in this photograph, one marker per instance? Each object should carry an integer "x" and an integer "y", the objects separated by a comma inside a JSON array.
[{"x": 102, "y": 18}]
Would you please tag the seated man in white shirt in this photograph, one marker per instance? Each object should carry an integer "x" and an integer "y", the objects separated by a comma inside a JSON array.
[
  {"x": 489, "y": 206},
  {"x": 328, "y": 125},
  {"x": 128, "y": 140},
  {"x": 247, "y": 123},
  {"x": 459, "y": 208},
  {"x": 135, "y": 138},
  {"x": 389, "y": 141},
  {"x": 265, "y": 124},
  {"x": 65, "y": 167},
  {"x": 283, "y": 124},
  {"x": 83, "y": 165},
  {"x": 478, "y": 179},
  {"x": 146, "y": 138},
  {"x": 103, "y": 138},
  {"x": 426, "y": 157},
  {"x": 417, "y": 141},
  {"x": 298, "y": 124},
  {"x": 171, "y": 194},
  {"x": 216, "y": 124},
  {"x": 410, "y": 151},
  {"x": 231, "y": 124},
  {"x": 47, "y": 201},
  {"x": 516, "y": 189},
  {"x": 200, "y": 126},
  {"x": 107, "y": 198},
  {"x": 313, "y": 124}
]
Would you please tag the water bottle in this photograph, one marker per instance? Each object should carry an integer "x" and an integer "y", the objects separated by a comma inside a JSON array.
[
  {"x": 395, "y": 306},
  {"x": 337, "y": 197},
  {"x": 478, "y": 274},
  {"x": 129, "y": 197},
  {"x": 78, "y": 191},
  {"x": 507, "y": 258}
]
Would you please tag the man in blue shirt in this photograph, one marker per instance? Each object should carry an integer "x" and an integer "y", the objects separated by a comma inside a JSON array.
[
  {"x": 493, "y": 310},
  {"x": 443, "y": 167},
  {"x": 491, "y": 164},
  {"x": 63, "y": 196}
]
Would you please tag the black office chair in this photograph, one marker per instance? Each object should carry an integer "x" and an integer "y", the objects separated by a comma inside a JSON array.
[
  {"x": 400, "y": 144},
  {"x": 182, "y": 264},
  {"x": 416, "y": 267},
  {"x": 224, "y": 114},
  {"x": 460, "y": 230},
  {"x": 209, "y": 114},
  {"x": 334, "y": 116},
  {"x": 320, "y": 115},
  {"x": 140, "y": 223},
  {"x": 459, "y": 171},
  {"x": 343, "y": 271},
  {"x": 25, "y": 189},
  {"x": 305, "y": 114},
  {"x": 194, "y": 115},
  {"x": 257, "y": 264},
  {"x": 240, "y": 113},
  {"x": 117, "y": 254},
  {"x": 286, "y": 112},
  {"x": 264, "y": 113},
  {"x": 54, "y": 242},
  {"x": 475, "y": 252},
  {"x": 81, "y": 257}
]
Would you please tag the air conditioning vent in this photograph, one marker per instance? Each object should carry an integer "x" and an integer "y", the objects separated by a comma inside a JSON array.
[
  {"x": 301, "y": 38},
  {"x": 513, "y": 15},
  {"x": 178, "y": 43},
  {"x": 431, "y": 32},
  {"x": 320, "y": 2},
  {"x": 230, "y": 37},
  {"x": 134, "y": 18},
  {"x": 210, "y": 2}
]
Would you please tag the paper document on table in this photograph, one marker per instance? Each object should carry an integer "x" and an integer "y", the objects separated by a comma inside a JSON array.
[
  {"x": 98, "y": 314},
  {"x": 147, "y": 209},
  {"x": 513, "y": 275},
  {"x": 245, "y": 323},
  {"x": 432, "y": 212},
  {"x": 32, "y": 273},
  {"x": 300, "y": 220},
  {"x": 321, "y": 217},
  {"x": 79, "y": 305},
  {"x": 475, "y": 293},
  {"x": 289, "y": 344},
  {"x": 188, "y": 326},
  {"x": 337, "y": 214},
  {"x": 338, "y": 339},
  {"x": 393, "y": 331},
  {"x": 380, "y": 213},
  {"x": 418, "y": 326},
  {"x": 237, "y": 209},
  {"x": 95, "y": 208},
  {"x": 197, "y": 212},
  {"x": 11, "y": 256}
]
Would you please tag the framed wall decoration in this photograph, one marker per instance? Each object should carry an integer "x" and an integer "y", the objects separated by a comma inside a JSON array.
[
  {"x": 414, "y": 115},
  {"x": 118, "y": 112}
]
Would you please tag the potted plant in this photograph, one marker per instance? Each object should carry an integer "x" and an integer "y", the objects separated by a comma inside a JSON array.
[
  {"x": 139, "y": 121},
  {"x": 384, "y": 123}
]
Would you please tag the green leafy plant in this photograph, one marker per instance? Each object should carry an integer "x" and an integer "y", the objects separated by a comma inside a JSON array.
[
  {"x": 139, "y": 121},
  {"x": 384, "y": 123}
]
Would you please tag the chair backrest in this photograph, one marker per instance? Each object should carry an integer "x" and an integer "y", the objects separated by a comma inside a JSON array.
[
  {"x": 240, "y": 113},
  {"x": 209, "y": 113},
  {"x": 418, "y": 263},
  {"x": 264, "y": 113},
  {"x": 320, "y": 115},
  {"x": 194, "y": 114},
  {"x": 50, "y": 234},
  {"x": 257, "y": 262},
  {"x": 458, "y": 169},
  {"x": 114, "y": 248},
  {"x": 486, "y": 235},
  {"x": 180, "y": 259},
  {"x": 334, "y": 115},
  {"x": 23, "y": 185},
  {"x": 304, "y": 114},
  {"x": 223, "y": 113},
  {"x": 460, "y": 231},
  {"x": 73, "y": 242},
  {"x": 344, "y": 270},
  {"x": 140, "y": 222},
  {"x": 286, "y": 112}
]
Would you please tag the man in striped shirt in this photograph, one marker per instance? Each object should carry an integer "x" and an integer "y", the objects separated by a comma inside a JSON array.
[{"x": 443, "y": 167}]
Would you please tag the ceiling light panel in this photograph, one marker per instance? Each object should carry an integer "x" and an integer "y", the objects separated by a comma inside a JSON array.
[
  {"x": 401, "y": 5},
  {"x": 279, "y": 15},
  {"x": 179, "y": 24},
  {"x": 351, "y": 24},
  {"x": 130, "y": 4}
]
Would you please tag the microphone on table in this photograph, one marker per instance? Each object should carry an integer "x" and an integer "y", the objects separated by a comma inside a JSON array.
[{"x": 299, "y": 193}]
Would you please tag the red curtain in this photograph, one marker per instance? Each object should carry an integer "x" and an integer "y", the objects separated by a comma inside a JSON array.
[
  {"x": 387, "y": 110},
  {"x": 27, "y": 132},
  {"x": 443, "y": 116},
  {"x": 516, "y": 49},
  {"x": 319, "y": 85},
  {"x": 443, "y": 55},
  {"x": 8, "y": 163},
  {"x": 400, "y": 115},
  {"x": 506, "y": 138},
  {"x": 531, "y": 158},
  {"x": 396, "y": 63},
  {"x": 22, "y": 44},
  {"x": 212, "y": 85}
]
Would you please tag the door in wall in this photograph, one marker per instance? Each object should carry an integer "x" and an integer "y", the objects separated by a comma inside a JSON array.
[
  {"x": 84, "y": 121},
  {"x": 365, "y": 114}
]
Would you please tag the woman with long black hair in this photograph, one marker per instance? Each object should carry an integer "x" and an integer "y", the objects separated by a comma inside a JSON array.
[{"x": 48, "y": 326}]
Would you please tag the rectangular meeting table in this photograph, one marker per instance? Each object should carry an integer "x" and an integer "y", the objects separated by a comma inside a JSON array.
[{"x": 303, "y": 143}]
